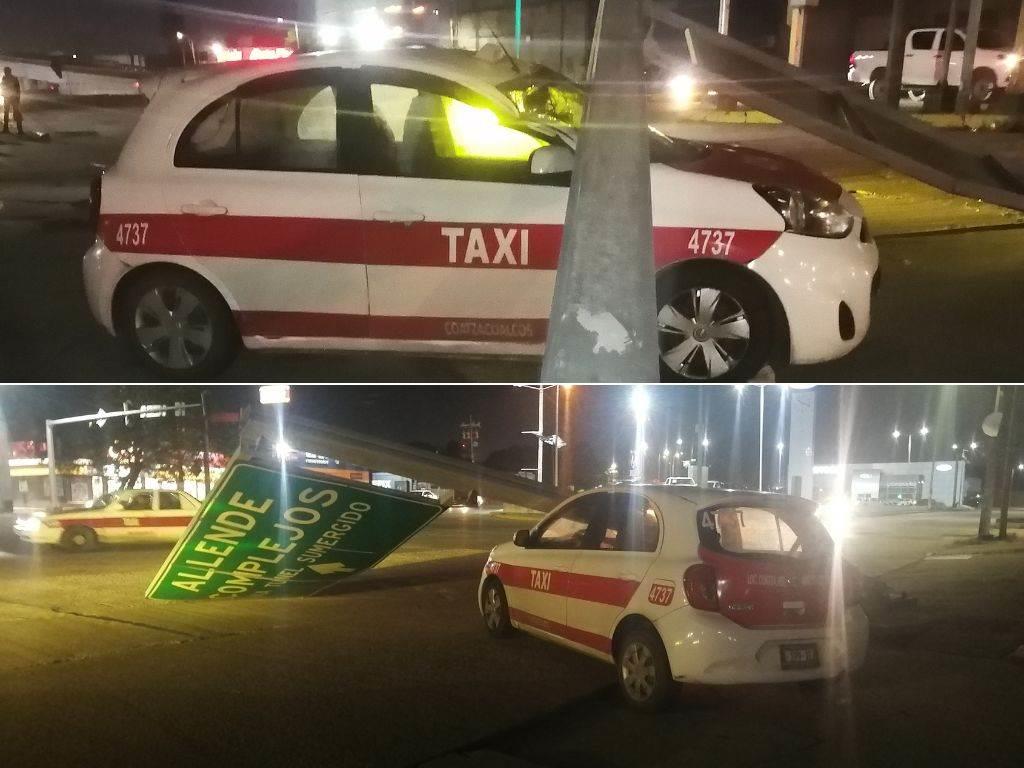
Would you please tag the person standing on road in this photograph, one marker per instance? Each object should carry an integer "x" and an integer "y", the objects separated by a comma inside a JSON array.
[{"x": 10, "y": 89}]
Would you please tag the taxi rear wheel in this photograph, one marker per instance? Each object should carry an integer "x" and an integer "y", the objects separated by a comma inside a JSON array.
[
  {"x": 645, "y": 678},
  {"x": 80, "y": 538},
  {"x": 494, "y": 606},
  {"x": 713, "y": 325},
  {"x": 174, "y": 322}
]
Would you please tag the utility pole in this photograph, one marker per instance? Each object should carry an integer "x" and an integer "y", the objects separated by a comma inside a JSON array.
[
  {"x": 897, "y": 50},
  {"x": 602, "y": 324},
  {"x": 991, "y": 473},
  {"x": 1008, "y": 451},
  {"x": 798, "y": 30},
  {"x": 964, "y": 95},
  {"x": 206, "y": 443},
  {"x": 724, "y": 6},
  {"x": 1014, "y": 96},
  {"x": 947, "y": 48},
  {"x": 760, "y": 442},
  {"x": 6, "y": 487}
]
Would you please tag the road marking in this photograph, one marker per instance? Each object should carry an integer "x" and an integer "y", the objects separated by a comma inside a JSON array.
[{"x": 930, "y": 556}]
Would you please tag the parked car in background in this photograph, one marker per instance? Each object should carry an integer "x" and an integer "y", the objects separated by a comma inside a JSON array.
[
  {"x": 682, "y": 585},
  {"x": 684, "y": 481},
  {"x": 117, "y": 518},
  {"x": 994, "y": 63}
]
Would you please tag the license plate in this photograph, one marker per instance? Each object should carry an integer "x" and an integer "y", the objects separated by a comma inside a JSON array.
[{"x": 799, "y": 656}]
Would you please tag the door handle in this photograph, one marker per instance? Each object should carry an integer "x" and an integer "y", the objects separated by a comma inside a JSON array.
[
  {"x": 204, "y": 208},
  {"x": 399, "y": 217}
]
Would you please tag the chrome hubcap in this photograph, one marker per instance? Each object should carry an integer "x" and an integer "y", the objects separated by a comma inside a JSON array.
[
  {"x": 492, "y": 608},
  {"x": 703, "y": 333},
  {"x": 173, "y": 327},
  {"x": 638, "y": 673}
]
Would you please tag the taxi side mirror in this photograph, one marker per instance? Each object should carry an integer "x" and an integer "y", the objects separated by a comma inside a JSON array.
[
  {"x": 521, "y": 538},
  {"x": 551, "y": 159}
]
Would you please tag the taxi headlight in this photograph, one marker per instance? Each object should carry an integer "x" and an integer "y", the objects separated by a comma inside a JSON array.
[
  {"x": 28, "y": 524},
  {"x": 807, "y": 214}
]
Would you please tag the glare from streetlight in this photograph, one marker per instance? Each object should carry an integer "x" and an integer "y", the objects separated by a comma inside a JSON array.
[
  {"x": 613, "y": 467},
  {"x": 973, "y": 445},
  {"x": 955, "y": 446},
  {"x": 180, "y": 35},
  {"x": 779, "y": 447},
  {"x": 679, "y": 441},
  {"x": 895, "y": 434},
  {"x": 705, "y": 442},
  {"x": 665, "y": 453},
  {"x": 640, "y": 401},
  {"x": 329, "y": 35},
  {"x": 923, "y": 431}
]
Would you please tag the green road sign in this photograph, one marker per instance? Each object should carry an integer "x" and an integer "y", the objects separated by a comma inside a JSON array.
[{"x": 268, "y": 532}]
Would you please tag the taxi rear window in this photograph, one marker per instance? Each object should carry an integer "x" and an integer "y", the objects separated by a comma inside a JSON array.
[{"x": 762, "y": 531}]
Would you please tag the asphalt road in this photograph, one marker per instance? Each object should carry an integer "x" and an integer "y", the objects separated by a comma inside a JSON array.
[{"x": 394, "y": 668}]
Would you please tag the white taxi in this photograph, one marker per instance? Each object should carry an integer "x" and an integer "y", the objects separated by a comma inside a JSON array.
[
  {"x": 412, "y": 200},
  {"x": 122, "y": 517},
  {"x": 682, "y": 585}
]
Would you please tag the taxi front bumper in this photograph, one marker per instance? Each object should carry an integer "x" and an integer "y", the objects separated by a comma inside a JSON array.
[{"x": 825, "y": 288}]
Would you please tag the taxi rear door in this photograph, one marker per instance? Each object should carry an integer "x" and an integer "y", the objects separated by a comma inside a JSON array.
[
  {"x": 260, "y": 199},
  {"x": 462, "y": 241}
]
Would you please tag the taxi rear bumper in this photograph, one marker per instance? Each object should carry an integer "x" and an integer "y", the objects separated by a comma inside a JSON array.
[{"x": 705, "y": 647}]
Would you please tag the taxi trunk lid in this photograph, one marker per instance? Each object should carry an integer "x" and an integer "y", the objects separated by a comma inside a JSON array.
[{"x": 773, "y": 565}]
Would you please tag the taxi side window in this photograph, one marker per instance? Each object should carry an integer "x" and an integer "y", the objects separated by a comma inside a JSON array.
[
  {"x": 630, "y": 525},
  {"x": 569, "y": 528},
  {"x": 138, "y": 502},
  {"x": 279, "y": 125},
  {"x": 437, "y": 136},
  {"x": 169, "y": 500}
]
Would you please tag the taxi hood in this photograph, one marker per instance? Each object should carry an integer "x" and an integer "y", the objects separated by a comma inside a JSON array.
[{"x": 729, "y": 161}]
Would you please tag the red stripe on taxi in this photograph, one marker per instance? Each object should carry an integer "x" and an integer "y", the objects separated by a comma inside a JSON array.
[
  {"x": 580, "y": 586},
  {"x": 122, "y": 522},
  {"x": 581, "y": 636},
  {"x": 416, "y": 244}
]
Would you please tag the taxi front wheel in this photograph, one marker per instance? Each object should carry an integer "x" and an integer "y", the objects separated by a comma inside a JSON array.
[
  {"x": 495, "y": 610},
  {"x": 175, "y": 323},
  {"x": 645, "y": 678},
  {"x": 713, "y": 325}
]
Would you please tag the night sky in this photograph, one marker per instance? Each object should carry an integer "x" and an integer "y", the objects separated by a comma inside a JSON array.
[{"x": 600, "y": 426}]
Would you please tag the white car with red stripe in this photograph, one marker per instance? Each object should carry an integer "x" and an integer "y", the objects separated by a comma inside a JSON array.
[
  {"x": 123, "y": 517},
  {"x": 682, "y": 585},
  {"x": 413, "y": 201}
]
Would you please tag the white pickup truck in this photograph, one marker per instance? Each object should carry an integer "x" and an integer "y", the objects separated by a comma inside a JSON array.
[{"x": 994, "y": 62}]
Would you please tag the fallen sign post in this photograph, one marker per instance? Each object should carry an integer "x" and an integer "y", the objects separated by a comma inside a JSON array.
[{"x": 269, "y": 530}]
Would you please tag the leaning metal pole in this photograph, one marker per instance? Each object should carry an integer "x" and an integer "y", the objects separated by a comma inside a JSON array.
[{"x": 603, "y": 316}]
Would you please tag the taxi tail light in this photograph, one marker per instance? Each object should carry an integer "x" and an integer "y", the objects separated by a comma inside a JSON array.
[{"x": 700, "y": 583}]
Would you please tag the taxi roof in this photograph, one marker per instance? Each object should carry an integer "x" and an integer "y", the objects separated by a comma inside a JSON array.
[
  {"x": 706, "y": 497},
  {"x": 464, "y": 67}
]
